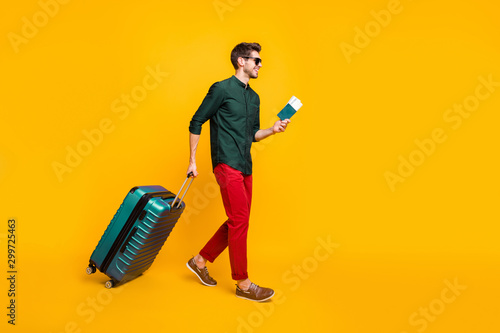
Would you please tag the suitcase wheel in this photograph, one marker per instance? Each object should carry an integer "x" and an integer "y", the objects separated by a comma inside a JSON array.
[
  {"x": 91, "y": 269},
  {"x": 109, "y": 284}
]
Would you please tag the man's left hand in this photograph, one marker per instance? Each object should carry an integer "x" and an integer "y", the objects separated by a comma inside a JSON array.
[{"x": 280, "y": 126}]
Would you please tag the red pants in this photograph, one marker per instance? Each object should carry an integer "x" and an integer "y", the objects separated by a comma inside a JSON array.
[{"x": 236, "y": 191}]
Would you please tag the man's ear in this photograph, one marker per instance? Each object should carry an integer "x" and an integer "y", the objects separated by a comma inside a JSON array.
[{"x": 241, "y": 62}]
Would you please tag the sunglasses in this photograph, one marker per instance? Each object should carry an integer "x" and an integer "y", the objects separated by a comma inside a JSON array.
[{"x": 257, "y": 60}]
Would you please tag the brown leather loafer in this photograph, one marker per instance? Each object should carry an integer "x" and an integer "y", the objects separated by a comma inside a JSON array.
[
  {"x": 255, "y": 293},
  {"x": 202, "y": 274}
]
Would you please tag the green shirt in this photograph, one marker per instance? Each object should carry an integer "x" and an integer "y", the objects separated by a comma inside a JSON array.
[{"x": 233, "y": 111}]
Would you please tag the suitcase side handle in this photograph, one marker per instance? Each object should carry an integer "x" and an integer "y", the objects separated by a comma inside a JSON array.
[{"x": 187, "y": 188}]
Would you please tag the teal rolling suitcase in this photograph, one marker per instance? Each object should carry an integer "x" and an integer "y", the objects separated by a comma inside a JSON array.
[{"x": 137, "y": 233}]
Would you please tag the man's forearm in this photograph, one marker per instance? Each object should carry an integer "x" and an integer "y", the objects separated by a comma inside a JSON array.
[
  {"x": 263, "y": 133},
  {"x": 193, "y": 145},
  {"x": 278, "y": 127}
]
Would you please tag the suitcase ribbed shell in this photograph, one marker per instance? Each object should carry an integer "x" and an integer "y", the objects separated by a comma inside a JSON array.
[
  {"x": 136, "y": 234},
  {"x": 144, "y": 245}
]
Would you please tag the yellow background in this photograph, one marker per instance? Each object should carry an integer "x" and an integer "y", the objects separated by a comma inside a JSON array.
[{"x": 396, "y": 251}]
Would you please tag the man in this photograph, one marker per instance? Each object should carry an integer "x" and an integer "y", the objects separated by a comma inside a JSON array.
[{"x": 233, "y": 110}]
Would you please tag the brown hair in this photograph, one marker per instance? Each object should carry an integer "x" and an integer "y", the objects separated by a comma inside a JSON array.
[{"x": 243, "y": 50}]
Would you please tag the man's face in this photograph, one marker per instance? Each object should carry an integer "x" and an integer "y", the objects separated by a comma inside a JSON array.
[{"x": 250, "y": 68}]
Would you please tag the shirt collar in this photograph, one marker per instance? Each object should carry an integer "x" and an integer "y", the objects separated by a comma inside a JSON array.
[{"x": 241, "y": 84}]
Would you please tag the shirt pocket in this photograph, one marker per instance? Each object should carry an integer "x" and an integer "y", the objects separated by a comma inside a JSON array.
[
  {"x": 253, "y": 113},
  {"x": 253, "y": 109}
]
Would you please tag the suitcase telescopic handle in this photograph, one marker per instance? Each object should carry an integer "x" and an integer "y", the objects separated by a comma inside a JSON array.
[{"x": 187, "y": 188}]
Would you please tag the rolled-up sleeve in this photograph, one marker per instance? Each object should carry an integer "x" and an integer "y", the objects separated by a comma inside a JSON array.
[
  {"x": 211, "y": 103},
  {"x": 256, "y": 125}
]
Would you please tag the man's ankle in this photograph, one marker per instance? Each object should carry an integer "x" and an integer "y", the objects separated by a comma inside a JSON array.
[
  {"x": 200, "y": 261},
  {"x": 244, "y": 284}
]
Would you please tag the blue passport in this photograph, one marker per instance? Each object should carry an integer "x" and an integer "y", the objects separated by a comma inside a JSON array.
[
  {"x": 287, "y": 112},
  {"x": 290, "y": 108}
]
